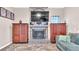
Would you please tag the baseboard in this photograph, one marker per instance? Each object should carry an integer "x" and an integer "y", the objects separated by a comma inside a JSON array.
[{"x": 5, "y": 45}]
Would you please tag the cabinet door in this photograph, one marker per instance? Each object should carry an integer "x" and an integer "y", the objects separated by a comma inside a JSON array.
[
  {"x": 53, "y": 31},
  {"x": 53, "y": 38},
  {"x": 59, "y": 30},
  {"x": 63, "y": 29},
  {"x": 16, "y": 33},
  {"x": 54, "y": 28},
  {"x": 24, "y": 33},
  {"x": 50, "y": 32}
]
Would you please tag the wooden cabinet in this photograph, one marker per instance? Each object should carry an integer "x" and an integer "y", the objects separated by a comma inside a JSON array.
[
  {"x": 57, "y": 29},
  {"x": 20, "y": 33}
]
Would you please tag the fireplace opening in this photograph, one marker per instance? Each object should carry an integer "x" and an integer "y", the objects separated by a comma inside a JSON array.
[{"x": 38, "y": 34}]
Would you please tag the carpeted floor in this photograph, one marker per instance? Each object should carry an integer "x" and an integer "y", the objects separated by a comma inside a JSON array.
[{"x": 31, "y": 47}]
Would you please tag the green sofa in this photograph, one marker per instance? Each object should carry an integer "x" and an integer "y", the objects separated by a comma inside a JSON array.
[{"x": 68, "y": 42}]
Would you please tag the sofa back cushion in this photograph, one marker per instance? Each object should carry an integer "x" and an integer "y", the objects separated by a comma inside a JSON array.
[
  {"x": 65, "y": 38},
  {"x": 74, "y": 38},
  {"x": 77, "y": 40}
]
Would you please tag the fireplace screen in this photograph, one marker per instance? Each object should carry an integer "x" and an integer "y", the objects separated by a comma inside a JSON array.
[{"x": 38, "y": 34}]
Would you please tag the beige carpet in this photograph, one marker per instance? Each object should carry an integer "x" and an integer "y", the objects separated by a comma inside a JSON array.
[{"x": 31, "y": 47}]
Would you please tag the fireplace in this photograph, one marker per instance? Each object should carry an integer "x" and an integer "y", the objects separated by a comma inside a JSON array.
[
  {"x": 39, "y": 26},
  {"x": 39, "y": 33}
]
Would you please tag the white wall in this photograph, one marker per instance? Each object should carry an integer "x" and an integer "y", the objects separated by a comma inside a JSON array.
[
  {"x": 5, "y": 31},
  {"x": 72, "y": 18},
  {"x": 22, "y": 14},
  {"x": 56, "y": 12}
]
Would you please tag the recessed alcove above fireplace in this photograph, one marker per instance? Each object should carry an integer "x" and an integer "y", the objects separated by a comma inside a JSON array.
[{"x": 39, "y": 16}]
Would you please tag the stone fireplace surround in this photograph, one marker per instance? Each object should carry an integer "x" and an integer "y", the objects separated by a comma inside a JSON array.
[
  {"x": 39, "y": 29},
  {"x": 43, "y": 28},
  {"x": 41, "y": 35}
]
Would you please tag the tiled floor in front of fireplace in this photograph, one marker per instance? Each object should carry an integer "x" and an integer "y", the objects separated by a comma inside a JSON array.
[{"x": 31, "y": 47}]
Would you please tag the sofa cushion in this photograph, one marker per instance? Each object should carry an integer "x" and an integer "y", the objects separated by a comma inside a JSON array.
[
  {"x": 72, "y": 47},
  {"x": 77, "y": 40},
  {"x": 62, "y": 44},
  {"x": 65, "y": 38},
  {"x": 74, "y": 38}
]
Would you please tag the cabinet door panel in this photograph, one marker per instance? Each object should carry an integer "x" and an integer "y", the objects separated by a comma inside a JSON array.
[
  {"x": 16, "y": 39},
  {"x": 16, "y": 33},
  {"x": 63, "y": 29},
  {"x": 53, "y": 38},
  {"x": 54, "y": 29},
  {"x": 53, "y": 32},
  {"x": 16, "y": 29},
  {"x": 24, "y": 33}
]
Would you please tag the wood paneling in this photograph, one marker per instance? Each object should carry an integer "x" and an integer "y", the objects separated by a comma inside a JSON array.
[
  {"x": 57, "y": 29},
  {"x": 20, "y": 33}
]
